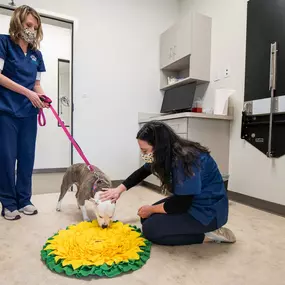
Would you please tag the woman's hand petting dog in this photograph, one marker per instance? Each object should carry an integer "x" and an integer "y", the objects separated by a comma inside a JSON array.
[
  {"x": 112, "y": 194},
  {"x": 145, "y": 211}
]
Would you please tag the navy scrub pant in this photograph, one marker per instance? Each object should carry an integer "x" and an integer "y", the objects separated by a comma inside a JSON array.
[
  {"x": 17, "y": 143},
  {"x": 175, "y": 229}
]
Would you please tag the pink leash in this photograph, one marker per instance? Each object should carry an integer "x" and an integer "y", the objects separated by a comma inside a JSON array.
[{"x": 42, "y": 122}]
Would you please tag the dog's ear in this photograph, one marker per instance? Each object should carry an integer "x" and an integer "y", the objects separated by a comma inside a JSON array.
[{"x": 98, "y": 181}]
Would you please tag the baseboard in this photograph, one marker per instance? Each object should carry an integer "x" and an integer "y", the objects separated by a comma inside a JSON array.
[
  {"x": 256, "y": 203},
  {"x": 263, "y": 205},
  {"x": 49, "y": 170},
  {"x": 151, "y": 186},
  {"x": 116, "y": 183}
]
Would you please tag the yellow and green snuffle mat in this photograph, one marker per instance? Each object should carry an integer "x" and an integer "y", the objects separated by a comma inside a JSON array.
[{"x": 86, "y": 249}]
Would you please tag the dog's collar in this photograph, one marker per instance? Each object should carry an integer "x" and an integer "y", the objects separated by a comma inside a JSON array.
[{"x": 94, "y": 188}]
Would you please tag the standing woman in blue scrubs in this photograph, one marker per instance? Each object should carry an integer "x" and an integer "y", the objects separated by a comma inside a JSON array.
[
  {"x": 21, "y": 65},
  {"x": 197, "y": 208}
]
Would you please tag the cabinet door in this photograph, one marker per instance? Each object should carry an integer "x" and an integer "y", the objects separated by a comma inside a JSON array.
[
  {"x": 167, "y": 44},
  {"x": 183, "y": 30},
  {"x": 179, "y": 126}
]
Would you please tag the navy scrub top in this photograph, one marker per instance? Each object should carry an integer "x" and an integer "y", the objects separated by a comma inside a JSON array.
[
  {"x": 210, "y": 199},
  {"x": 23, "y": 70}
]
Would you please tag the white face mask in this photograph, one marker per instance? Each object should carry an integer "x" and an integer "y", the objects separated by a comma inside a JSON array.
[
  {"x": 148, "y": 157},
  {"x": 29, "y": 36}
]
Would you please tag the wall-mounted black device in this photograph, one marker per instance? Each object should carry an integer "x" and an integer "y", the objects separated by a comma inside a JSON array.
[{"x": 263, "y": 118}]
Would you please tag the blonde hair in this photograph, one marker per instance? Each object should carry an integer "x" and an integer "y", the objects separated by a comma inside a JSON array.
[{"x": 16, "y": 24}]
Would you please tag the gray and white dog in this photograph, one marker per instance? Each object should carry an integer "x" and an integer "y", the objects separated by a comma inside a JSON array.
[{"x": 85, "y": 180}]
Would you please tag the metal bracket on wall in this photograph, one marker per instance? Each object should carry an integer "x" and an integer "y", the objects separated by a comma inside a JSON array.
[
  {"x": 255, "y": 130},
  {"x": 256, "y": 122},
  {"x": 247, "y": 108}
]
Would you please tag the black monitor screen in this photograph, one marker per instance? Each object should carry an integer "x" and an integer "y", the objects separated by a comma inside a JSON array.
[{"x": 179, "y": 98}]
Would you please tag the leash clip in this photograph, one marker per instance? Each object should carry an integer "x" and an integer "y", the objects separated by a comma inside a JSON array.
[{"x": 90, "y": 167}]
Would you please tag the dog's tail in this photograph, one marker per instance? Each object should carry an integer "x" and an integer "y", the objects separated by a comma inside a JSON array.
[{"x": 65, "y": 185}]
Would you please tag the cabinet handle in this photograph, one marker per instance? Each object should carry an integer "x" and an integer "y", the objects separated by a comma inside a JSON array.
[{"x": 170, "y": 53}]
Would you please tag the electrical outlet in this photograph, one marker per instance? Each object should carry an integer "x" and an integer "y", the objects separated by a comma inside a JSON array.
[{"x": 227, "y": 72}]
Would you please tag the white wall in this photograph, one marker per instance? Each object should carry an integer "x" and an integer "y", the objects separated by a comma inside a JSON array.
[
  {"x": 116, "y": 72},
  {"x": 251, "y": 172}
]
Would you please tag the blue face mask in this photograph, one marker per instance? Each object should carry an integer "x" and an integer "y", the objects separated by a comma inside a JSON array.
[{"x": 148, "y": 157}]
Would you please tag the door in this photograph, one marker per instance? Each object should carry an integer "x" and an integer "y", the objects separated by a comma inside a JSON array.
[
  {"x": 53, "y": 149},
  {"x": 265, "y": 25},
  {"x": 167, "y": 46},
  {"x": 184, "y": 36}
]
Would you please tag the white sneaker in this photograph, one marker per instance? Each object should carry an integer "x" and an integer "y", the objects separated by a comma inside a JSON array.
[
  {"x": 222, "y": 235},
  {"x": 11, "y": 216},
  {"x": 29, "y": 210}
]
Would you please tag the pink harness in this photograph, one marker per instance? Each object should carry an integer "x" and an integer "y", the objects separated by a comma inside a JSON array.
[{"x": 42, "y": 122}]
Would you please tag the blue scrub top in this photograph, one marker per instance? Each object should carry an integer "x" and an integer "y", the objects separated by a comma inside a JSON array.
[
  {"x": 23, "y": 70},
  {"x": 207, "y": 187}
]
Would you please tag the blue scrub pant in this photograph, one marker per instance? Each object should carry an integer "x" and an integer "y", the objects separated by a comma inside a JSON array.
[
  {"x": 175, "y": 229},
  {"x": 17, "y": 143}
]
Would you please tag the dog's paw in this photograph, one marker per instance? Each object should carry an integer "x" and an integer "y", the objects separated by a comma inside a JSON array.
[
  {"x": 86, "y": 218},
  {"x": 58, "y": 207}
]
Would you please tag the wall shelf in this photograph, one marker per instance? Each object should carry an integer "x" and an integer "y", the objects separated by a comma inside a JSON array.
[{"x": 182, "y": 82}]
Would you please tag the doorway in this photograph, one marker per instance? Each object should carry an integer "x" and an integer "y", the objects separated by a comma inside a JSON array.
[{"x": 54, "y": 152}]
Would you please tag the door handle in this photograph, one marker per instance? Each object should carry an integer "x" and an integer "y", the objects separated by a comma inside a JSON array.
[
  {"x": 170, "y": 53},
  {"x": 272, "y": 88}
]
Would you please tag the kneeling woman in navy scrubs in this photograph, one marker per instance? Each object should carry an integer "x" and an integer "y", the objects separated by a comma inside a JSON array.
[
  {"x": 198, "y": 206},
  {"x": 21, "y": 65}
]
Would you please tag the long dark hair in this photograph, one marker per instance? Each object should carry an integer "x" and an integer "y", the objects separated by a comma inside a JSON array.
[{"x": 169, "y": 150}]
